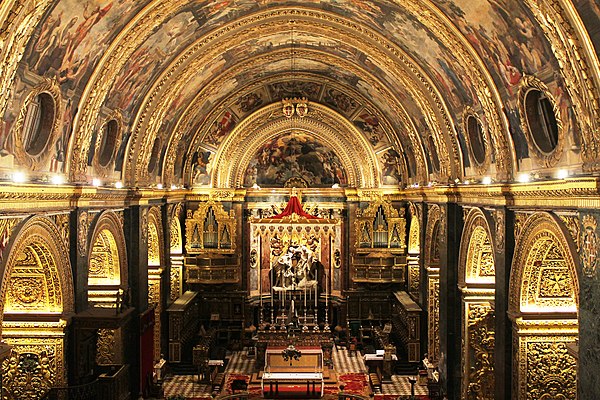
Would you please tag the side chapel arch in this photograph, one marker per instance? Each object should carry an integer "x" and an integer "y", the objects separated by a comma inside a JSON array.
[
  {"x": 544, "y": 304},
  {"x": 36, "y": 279},
  {"x": 107, "y": 255},
  {"x": 477, "y": 277},
  {"x": 414, "y": 250},
  {"x": 176, "y": 251}
]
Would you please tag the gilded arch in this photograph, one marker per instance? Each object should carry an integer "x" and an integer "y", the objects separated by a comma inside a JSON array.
[
  {"x": 107, "y": 254},
  {"x": 36, "y": 278},
  {"x": 544, "y": 282},
  {"x": 323, "y": 123},
  {"x": 155, "y": 238},
  {"x": 38, "y": 247},
  {"x": 476, "y": 276},
  {"x": 414, "y": 250}
]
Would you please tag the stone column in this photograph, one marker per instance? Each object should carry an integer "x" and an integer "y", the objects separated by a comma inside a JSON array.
[
  {"x": 450, "y": 300},
  {"x": 504, "y": 247},
  {"x": 588, "y": 351},
  {"x": 136, "y": 232}
]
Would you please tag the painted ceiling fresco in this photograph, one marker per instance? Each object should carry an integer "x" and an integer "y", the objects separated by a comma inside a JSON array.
[{"x": 181, "y": 76}]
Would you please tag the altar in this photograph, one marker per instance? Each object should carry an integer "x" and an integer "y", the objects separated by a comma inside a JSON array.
[{"x": 293, "y": 372}]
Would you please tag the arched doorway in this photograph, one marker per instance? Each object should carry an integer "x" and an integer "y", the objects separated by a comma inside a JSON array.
[
  {"x": 36, "y": 281},
  {"x": 544, "y": 296},
  {"x": 477, "y": 275}
]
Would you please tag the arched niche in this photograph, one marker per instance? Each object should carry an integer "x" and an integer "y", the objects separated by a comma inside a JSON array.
[
  {"x": 155, "y": 238},
  {"x": 107, "y": 257},
  {"x": 477, "y": 276},
  {"x": 432, "y": 265},
  {"x": 176, "y": 252},
  {"x": 36, "y": 280},
  {"x": 543, "y": 305},
  {"x": 414, "y": 251}
]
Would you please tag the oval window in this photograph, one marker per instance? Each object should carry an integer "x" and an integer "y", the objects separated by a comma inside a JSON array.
[
  {"x": 38, "y": 123},
  {"x": 107, "y": 145},
  {"x": 475, "y": 134},
  {"x": 541, "y": 121},
  {"x": 154, "y": 155},
  {"x": 435, "y": 160}
]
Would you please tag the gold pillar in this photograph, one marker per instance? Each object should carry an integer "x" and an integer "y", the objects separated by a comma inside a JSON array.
[{"x": 433, "y": 312}]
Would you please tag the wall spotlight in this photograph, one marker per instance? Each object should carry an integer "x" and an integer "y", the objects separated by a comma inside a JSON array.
[
  {"x": 523, "y": 178},
  {"x": 19, "y": 177},
  {"x": 562, "y": 174},
  {"x": 119, "y": 184},
  {"x": 159, "y": 186},
  {"x": 486, "y": 180},
  {"x": 96, "y": 182},
  {"x": 57, "y": 179},
  {"x": 173, "y": 187},
  {"x": 255, "y": 186}
]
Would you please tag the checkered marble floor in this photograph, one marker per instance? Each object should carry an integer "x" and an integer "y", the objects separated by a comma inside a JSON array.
[{"x": 240, "y": 363}]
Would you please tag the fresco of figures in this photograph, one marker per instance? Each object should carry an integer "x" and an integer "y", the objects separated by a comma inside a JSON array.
[{"x": 295, "y": 156}]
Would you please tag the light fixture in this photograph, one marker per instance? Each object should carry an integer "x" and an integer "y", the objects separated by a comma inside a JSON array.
[
  {"x": 19, "y": 177},
  {"x": 96, "y": 182},
  {"x": 562, "y": 174},
  {"x": 118, "y": 184},
  {"x": 159, "y": 186},
  {"x": 57, "y": 179},
  {"x": 255, "y": 186},
  {"x": 524, "y": 177},
  {"x": 486, "y": 180},
  {"x": 173, "y": 187},
  {"x": 335, "y": 186}
]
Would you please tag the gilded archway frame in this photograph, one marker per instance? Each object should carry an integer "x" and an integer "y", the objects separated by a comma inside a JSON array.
[
  {"x": 42, "y": 340},
  {"x": 113, "y": 223},
  {"x": 476, "y": 280},
  {"x": 544, "y": 306}
]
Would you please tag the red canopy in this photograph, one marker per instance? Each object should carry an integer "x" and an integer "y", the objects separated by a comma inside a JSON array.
[{"x": 294, "y": 207}]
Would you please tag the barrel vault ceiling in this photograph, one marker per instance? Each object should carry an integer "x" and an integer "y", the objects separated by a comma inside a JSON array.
[{"x": 195, "y": 89}]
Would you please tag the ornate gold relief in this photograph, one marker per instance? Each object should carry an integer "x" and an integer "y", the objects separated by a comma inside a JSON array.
[
  {"x": 107, "y": 254},
  {"x": 548, "y": 159},
  {"x": 175, "y": 237},
  {"x": 35, "y": 365},
  {"x": 144, "y": 225},
  {"x": 52, "y": 88},
  {"x": 572, "y": 224},
  {"x": 82, "y": 233},
  {"x": 543, "y": 270},
  {"x": 477, "y": 263},
  {"x": 432, "y": 254},
  {"x": 414, "y": 234},
  {"x": 499, "y": 238},
  {"x": 589, "y": 245},
  {"x": 433, "y": 306},
  {"x": 479, "y": 352},
  {"x": 107, "y": 347},
  {"x": 37, "y": 274},
  {"x": 210, "y": 229},
  {"x": 6, "y": 226}
]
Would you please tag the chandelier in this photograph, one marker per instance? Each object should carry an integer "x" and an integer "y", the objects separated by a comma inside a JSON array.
[{"x": 291, "y": 353}]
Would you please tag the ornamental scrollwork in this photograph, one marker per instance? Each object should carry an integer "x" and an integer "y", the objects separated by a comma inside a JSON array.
[
  {"x": 589, "y": 246},
  {"x": 82, "y": 233},
  {"x": 551, "y": 371},
  {"x": 481, "y": 339}
]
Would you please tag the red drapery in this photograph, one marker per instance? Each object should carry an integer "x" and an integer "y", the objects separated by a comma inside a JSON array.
[{"x": 294, "y": 207}]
